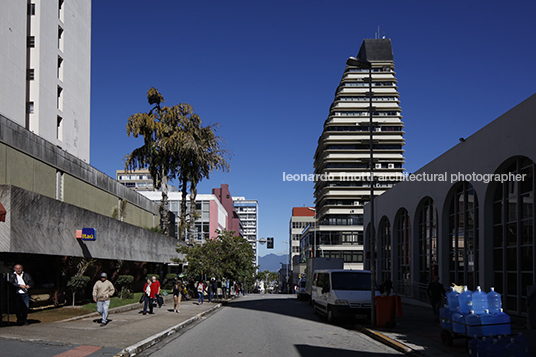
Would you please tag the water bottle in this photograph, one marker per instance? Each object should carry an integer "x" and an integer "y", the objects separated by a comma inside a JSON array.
[
  {"x": 496, "y": 350},
  {"x": 452, "y": 300},
  {"x": 522, "y": 342},
  {"x": 445, "y": 316},
  {"x": 482, "y": 347},
  {"x": 474, "y": 325},
  {"x": 502, "y": 321},
  {"x": 458, "y": 322},
  {"x": 503, "y": 340},
  {"x": 480, "y": 301},
  {"x": 487, "y": 321},
  {"x": 494, "y": 301},
  {"x": 472, "y": 345},
  {"x": 513, "y": 349},
  {"x": 465, "y": 300}
]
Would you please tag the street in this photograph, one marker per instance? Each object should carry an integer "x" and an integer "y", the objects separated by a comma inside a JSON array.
[{"x": 268, "y": 325}]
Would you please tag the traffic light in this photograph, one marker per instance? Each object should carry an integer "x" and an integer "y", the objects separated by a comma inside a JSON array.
[{"x": 270, "y": 243}]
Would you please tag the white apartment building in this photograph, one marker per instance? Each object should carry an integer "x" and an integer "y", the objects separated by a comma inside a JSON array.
[
  {"x": 302, "y": 218},
  {"x": 343, "y": 154},
  {"x": 45, "y": 70},
  {"x": 248, "y": 213}
]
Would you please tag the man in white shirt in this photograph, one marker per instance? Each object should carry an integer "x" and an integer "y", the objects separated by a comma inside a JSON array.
[{"x": 22, "y": 282}]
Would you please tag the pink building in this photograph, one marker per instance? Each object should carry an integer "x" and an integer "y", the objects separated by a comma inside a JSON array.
[{"x": 225, "y": 198}]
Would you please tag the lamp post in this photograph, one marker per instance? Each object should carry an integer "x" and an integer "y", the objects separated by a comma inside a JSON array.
[{"x": 365, "y": 64}]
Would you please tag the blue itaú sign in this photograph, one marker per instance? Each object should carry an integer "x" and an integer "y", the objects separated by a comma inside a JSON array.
[{"x": 89, "y": 234}]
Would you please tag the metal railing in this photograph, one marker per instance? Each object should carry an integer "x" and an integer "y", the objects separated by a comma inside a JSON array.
[{"x": 417, "y": 291}]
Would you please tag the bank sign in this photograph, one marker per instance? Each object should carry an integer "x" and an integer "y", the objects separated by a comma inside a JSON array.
[{"x": 89, "y": 234}]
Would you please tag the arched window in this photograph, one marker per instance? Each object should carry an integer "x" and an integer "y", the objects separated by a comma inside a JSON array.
[
  {"x": 513, "y": 234},
  {"x": 384, "y": 249},
  {"x": 463, "y": 235},
  {"x": 402, "y": 242},
  {"x": 427, "y": 226}
]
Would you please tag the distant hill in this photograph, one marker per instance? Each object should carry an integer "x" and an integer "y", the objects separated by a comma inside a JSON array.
[{"x": 272, "y": 262}]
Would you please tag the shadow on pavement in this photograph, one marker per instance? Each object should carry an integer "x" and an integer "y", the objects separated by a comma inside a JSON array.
[{"x": 316, "y": 351}]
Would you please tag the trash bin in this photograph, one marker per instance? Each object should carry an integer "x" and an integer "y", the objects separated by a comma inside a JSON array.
[{"x": 385, "y": 310}]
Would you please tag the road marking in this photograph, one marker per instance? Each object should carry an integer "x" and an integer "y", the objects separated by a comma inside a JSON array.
[{"x": 80, "y": 351}]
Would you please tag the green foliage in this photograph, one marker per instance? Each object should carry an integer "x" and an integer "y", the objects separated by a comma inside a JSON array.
[
  {"x": 149, "y": 276},
  {"x": 225, "y": 257},
  {"x": 176, "y": 146},
  {"x": 124, "y": 281},
  {"x": 77, "y": 283}
]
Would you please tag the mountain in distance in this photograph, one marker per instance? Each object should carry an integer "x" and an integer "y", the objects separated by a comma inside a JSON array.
[{"x": 272, "y": 262}]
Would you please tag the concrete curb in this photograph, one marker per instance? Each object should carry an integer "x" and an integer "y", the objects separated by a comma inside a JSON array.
[
  {"x": 148, "y": 342},
  {"x": 386, "y": 340}
]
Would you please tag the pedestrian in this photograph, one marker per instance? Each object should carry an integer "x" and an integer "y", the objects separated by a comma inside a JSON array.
[
  {"x": 200, "y": 292},
  {"x": 22, "y": 282},
  {"x": 388, "y": 285},
  {"x": 211, "y": 289},
  {"x": 155, "y": 285},
  {"x": 531, "y": 305},
  {"x": 148, "y": 297},
  {"x": 102, "y": 292},
  {"x": 177, "y": 292},
  {"x": 436, "y": 292}
]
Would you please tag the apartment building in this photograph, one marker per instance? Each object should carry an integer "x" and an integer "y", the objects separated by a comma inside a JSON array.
[{"x": 343, "y": 155}]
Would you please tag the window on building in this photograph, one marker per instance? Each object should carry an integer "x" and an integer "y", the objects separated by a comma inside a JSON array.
[
  {"x": 463, "y": 236},
  {"x": 60, "y": 98},
  {"x": 59, "y": 128},
  {"x": 30, "y": 41},
  {"x": 403, "y": 246},
  {"x": 31, "y": 9},
  {"x": 60, "y": 38},
  {"x": 30, "y": 74},
  {"x": 61, "y": 13},
  {"x": 428, "y": 247},
  {"x": 59, "y": 185},
  {"x": 384, "y": 247},
  {"x": 513, "y": 235},
  {"x": 60, "y": 69}
]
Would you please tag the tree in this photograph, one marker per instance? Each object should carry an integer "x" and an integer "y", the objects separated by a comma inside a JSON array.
[
  {"x": 175, "y": 146},
  {"x": 226, "y": 257},
  {"x": 77, "y": 283}
]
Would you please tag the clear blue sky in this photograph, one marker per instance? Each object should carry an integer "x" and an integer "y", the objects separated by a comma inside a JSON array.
[{"x": 268, "y": 70}]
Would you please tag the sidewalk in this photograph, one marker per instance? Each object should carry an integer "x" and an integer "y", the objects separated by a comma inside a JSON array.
[
  {"x": 126, "y": 327},
  {"x": 417, "y": 334}
]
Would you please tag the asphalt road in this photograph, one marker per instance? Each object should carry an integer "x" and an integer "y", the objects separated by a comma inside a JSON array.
[{"x": 268, "y": 325}]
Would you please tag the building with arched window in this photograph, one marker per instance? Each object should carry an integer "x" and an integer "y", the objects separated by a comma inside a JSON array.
[{"x": 467, "y": 216}]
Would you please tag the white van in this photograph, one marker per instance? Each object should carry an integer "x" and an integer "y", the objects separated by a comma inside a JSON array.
[{"x": 340, "y": 294}]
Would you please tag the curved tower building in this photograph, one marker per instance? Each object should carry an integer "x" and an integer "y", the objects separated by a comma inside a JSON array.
[{"x": 343, "y": 156}]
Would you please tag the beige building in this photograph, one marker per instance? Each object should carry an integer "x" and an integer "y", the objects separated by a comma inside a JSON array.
[{"x": 342, "y": 157}]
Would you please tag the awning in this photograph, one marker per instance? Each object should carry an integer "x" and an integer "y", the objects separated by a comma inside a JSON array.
[{"x": 2, "y": 213}]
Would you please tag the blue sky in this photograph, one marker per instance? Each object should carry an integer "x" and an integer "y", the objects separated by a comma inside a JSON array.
[{"x": 267, "y": 72}]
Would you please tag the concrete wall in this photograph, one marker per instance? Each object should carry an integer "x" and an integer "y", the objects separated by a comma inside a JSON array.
[
  {"x": 43, "y": 225},
  {"x": 32, "y": 163}
]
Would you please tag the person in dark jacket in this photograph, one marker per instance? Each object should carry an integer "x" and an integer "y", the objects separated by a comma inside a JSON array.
[
  {"x": 22, "y": 282},
  {"x": 436, "y": 292}
]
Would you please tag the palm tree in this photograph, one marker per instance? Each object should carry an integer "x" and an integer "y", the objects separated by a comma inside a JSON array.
[{"x": 175, "y": 146}]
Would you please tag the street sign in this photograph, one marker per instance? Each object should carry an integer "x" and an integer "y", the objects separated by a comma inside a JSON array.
[{"x": 262, "y": 241}]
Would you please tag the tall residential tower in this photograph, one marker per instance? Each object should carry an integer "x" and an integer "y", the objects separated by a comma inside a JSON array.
[
  {"x": 343, "y": 154},
  {"x": 45, "y": 76}
]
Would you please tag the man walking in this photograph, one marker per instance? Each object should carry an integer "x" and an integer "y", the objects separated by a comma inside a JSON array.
[
  {"x": 102, "y": 292},
  {"x": 22, "y": 282}
]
